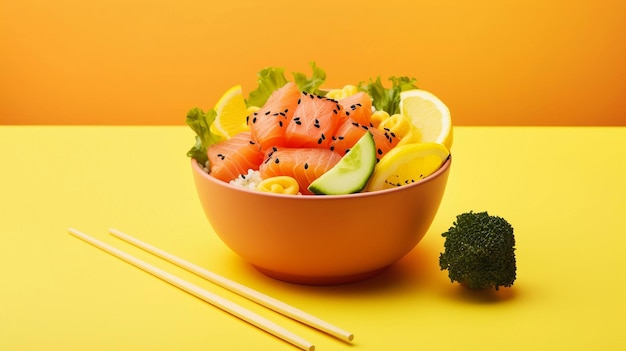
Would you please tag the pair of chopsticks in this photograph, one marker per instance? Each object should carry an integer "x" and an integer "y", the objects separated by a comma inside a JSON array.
[{"x": 216, "y": 300}]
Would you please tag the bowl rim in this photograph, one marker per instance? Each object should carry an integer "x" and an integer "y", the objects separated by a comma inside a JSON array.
[{"x": 444, "y": 167}]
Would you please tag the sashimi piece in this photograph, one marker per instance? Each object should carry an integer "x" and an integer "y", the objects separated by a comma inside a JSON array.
[
  {"x": 267, "y": 125},
  {"x": 314, "y": 122},
  {"x": 350, "y": 132},
  {"x": 230, "y": 158},
  {"x": 303, "y": 164},
  {"x": 357, "y": 107},
  {"x": 384, "y": 141}
]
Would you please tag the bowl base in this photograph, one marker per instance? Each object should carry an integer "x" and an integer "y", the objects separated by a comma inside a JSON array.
[{"x": 319, "y": 280}]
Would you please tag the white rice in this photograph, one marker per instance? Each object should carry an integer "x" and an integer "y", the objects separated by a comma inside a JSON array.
[{"x": 249, "y": 180}]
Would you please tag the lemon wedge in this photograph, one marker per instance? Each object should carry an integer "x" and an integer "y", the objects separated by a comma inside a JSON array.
[
  {"x": 407, "y": 164},
  {"x": 429, "y": 114},
  {"x": 231, "y": 113}
]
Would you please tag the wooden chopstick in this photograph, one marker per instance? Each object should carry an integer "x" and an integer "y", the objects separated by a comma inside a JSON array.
[
  {"x": 249, "y": 293},
  {"x": 205, "y": 295}
]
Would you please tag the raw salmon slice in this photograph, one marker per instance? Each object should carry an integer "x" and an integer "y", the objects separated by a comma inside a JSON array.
[
  {"x": 268, "y": 124},
  {"x": 228, "y": 159},
  {"x": 357, "y": 107},
  {"x": 350, "y": 132},
  {"x": 314, "y": 121},
  {"x": 303, "y": 164}
]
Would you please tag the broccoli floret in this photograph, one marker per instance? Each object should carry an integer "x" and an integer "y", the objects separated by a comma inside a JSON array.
[{"x": 479, "y": 251}]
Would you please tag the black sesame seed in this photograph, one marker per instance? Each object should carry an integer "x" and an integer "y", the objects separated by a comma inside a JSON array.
[
  {"x": 254, "y": 120},
  {"x": 276, "y": 160},
  {"x": 380, "y": 152},
  {"x": 347, "y": 113},
  {"x": 306, "y": 166},
  {"x": 298, "y": 101},
  {"x": 267, "y": 113},
  {"x": 280, "y": 124}
]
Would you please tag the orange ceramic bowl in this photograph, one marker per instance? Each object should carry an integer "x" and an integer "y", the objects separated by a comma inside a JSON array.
[{"x": 314, "y": 239}]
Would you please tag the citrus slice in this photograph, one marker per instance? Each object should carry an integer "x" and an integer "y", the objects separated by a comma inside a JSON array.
[
  {"x": 231, "y": 113},
  {"x": 429, "y": 114},
  {"x": 407, "y": 164}
]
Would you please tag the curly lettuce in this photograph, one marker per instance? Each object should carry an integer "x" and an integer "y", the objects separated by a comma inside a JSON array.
[
  {"x": 310, "y": 85},
  {"x": 200, "y": 122},
  {"x": 269, "y": 80},
  {"x": 387, "y": 99}
]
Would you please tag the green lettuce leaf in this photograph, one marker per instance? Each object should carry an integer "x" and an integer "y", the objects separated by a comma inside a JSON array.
[
  {"x": 200, "y": 122},
  {"x": 269, "y": 79},
  {"x": 387, "y": 99},
  {"x": 310, "y": 85}
]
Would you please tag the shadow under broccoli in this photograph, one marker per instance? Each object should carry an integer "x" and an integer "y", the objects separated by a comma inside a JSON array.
[{"x": 479, "y": 251}]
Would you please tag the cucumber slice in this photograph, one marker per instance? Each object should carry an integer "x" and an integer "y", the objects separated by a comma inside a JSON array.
[{"x": 351, "y": 173}]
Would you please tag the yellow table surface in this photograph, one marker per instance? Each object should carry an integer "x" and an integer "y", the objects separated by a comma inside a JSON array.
[{"x": 562, "y": 189}]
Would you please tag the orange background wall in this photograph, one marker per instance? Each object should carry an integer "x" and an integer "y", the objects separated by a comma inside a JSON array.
[{"x": 527, "y": 62}]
